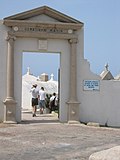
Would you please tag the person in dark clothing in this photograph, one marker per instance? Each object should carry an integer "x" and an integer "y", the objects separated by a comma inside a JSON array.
[{"x": 52, "y": 102}]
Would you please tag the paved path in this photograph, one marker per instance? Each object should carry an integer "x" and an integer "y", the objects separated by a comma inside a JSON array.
[{"x": 44, "y": 138}]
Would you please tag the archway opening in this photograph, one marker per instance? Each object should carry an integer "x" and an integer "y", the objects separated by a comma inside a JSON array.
[{"x": 41, "y": 68}]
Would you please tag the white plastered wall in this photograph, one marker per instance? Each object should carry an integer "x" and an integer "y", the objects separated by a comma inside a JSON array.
[{"x": 101, "y": 106}]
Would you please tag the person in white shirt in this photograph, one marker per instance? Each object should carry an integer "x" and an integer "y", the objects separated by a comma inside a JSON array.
[
  {"x": 42, "y": 96},
  {"x": 34, "y": 100}
]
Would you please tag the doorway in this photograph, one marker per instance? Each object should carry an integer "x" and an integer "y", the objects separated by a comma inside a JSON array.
[{"x": 41, "y": 69}]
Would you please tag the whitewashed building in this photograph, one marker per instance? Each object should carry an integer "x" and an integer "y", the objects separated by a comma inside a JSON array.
[
  {"x": 50, "y": 86},
  {"x": 84, "y": 96}
]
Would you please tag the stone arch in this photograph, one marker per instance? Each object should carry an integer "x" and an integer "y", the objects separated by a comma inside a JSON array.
[{"x": 48, "y": 26}]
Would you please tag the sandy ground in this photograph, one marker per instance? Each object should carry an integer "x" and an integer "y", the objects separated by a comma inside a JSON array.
[{"x": 44, "y": 138}]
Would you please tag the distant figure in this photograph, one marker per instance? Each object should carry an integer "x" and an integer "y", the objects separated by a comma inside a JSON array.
[
  {"x": 106, "y": 67},
  {"x": 42, "y": 100},
  {"x": 53, "y": 102},
  {"x": 34, "y": 100}
]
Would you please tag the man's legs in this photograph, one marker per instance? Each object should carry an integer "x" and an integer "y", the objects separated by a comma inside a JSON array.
[
  {"x": 34, "y": 107},
  {"x": 34, "y": 111},
  {"x": 41, "y": 106}
]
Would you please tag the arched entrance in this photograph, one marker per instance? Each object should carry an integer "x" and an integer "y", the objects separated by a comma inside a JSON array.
[
  {"x": 43, "y": 70},
  {"x": 42, "y": 29}
]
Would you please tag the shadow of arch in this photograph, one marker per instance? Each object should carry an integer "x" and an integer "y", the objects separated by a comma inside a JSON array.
[
  {"x": 39, "y": 121},
  {"x": 40, "y": 118}
]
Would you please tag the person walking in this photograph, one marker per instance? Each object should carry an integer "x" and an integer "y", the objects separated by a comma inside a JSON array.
[
  {"x": 52, "y": 102},
  {"x": 42, "y": 96},
  {"x": 34, "y": 100}
]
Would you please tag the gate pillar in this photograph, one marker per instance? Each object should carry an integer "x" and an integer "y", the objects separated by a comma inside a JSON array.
[
  {"x": 10, "y": 103},
  {"x": 73, "y": 104}
]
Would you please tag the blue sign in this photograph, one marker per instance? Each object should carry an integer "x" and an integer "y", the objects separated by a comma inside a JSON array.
[{"x": 91, "y": 85}]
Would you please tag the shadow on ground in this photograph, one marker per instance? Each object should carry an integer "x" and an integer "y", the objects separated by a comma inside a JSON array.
[{"x": 40, "y": 118}]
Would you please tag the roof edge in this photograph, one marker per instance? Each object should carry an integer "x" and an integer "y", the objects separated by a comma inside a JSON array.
[{"x": 43, "y": 10}]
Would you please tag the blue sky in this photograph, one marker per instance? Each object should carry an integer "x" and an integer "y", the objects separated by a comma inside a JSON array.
[{"x": 101, "y": 20}]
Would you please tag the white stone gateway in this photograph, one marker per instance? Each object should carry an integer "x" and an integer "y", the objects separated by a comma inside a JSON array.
[{"x": 46, "y": 30}]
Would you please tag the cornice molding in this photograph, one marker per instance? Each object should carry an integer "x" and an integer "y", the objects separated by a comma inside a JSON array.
[
  {"x": 43, "y": 30},
  {"x": 11, "y": 23},
  {"x": 42, "y": 35}
]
